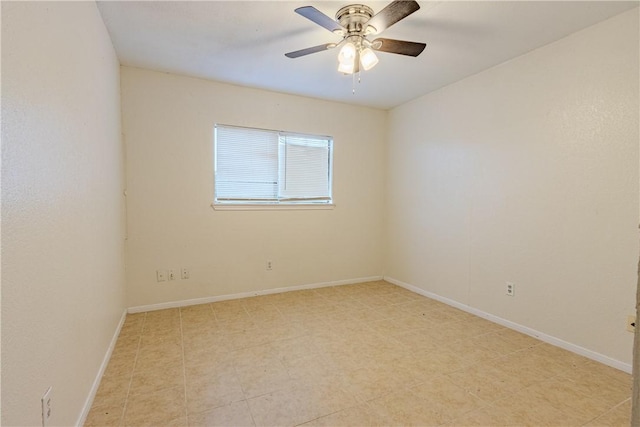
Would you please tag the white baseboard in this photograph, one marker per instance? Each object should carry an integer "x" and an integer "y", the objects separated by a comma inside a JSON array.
[
  {"x": 626, "y": 367},
  {"x": 206, "y": 300},
  {"x": 103, "y": 366}
]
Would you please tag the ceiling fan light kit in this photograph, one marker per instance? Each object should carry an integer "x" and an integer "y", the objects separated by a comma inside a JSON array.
[
  {"x": 347, "y": 58},
  {"x": 354, "y": 23},
  {"x": 368, "y": 59}
]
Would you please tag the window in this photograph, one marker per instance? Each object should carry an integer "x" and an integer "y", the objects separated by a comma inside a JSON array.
[{"x": 265, "y": 167}]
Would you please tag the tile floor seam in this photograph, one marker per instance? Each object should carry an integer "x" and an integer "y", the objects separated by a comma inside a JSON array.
[
  {"x": 135, "y": 362},
  {"x": 495, "y": 403},
  {"x": 600, "y": 399},
  {"x": 598, "y": 416},
  {"x": 253, "y": 420},
  {"x": 615, "y": 406},
  {"x": 323, "y": 416},
  {"x": 184, "y": 368},
  {"x": 587, "y": 395},
  {"x": 244, "y": 394}
]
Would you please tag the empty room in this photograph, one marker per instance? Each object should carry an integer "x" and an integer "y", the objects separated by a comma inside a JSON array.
[{"x": 283, "y": 213}]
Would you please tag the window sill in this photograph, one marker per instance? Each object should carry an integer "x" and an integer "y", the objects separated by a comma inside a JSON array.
[{"x": 274, "y": 207}]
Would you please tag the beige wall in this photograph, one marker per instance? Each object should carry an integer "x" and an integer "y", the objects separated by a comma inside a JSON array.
[
  {"x": 527, "y": 172},
  {"x": 62, "y": 206},
  {"x": 168, "y": 129}
]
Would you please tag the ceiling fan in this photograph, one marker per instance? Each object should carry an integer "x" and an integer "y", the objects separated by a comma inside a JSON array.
[{"x": 354, "y": 23}]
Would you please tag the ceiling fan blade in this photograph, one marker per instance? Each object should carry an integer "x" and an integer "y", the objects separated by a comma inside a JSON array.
[
  {"x": 392, "y": 13},
  {"x": 400, "y": 47},
  {"x": 310, "y": 50},
  {"x": 313, "y": 14}
]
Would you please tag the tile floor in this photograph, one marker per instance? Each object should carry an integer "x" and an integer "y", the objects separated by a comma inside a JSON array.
[{"x": 368, "y": 354}]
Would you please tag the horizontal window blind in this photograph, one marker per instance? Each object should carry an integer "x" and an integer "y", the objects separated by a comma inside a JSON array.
[
  {"x": 304, "y": 172},
  {"x": 263, "y": 166},
  {"x": 246, "y": 164}
]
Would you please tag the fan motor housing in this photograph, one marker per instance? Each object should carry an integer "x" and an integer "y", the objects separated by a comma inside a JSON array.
[{"x": 353, "y": 17}]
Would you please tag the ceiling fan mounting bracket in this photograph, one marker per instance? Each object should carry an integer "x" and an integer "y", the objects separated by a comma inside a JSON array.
[{"x": 354, "y": 17}]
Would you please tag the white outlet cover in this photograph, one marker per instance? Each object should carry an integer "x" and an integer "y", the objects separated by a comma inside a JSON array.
[{"x": 511, "y": 289}]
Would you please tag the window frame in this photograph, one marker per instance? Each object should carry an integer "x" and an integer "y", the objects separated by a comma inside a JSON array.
[{"x": 283, "y": 203}]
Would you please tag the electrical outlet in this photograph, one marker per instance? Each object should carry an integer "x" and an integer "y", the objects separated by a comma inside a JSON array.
[
  {"x": 171, "y": 275},
  {"x": 184, "y": 273},
  {"x": 161, "y": 275},
  {"x": 269, "y": 265},
  {"x": 46, "y": 407},
  {"x": 511, "y": 289},
  {"x": 631, "y": 323}
]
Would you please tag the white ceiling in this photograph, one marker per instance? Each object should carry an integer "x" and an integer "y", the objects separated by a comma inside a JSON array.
[{"x": 244, "y": 42}]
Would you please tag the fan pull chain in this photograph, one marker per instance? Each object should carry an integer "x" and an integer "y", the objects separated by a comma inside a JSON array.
[{"x": 353, "y": 81}]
